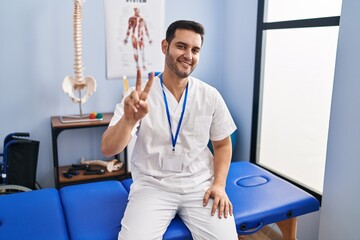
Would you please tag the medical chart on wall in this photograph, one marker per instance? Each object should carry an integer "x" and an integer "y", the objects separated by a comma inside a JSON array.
[{"x": 134, "y": 31}]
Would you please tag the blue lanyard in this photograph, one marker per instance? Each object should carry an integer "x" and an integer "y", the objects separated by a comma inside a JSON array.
[{"x": 174, "y": 139}]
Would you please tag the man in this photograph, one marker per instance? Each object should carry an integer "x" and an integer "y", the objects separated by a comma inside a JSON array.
[
  {"x": 173, "y": 170},
  {"x": 137, "y": 27}
]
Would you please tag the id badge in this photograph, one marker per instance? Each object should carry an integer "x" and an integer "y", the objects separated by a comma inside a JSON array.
[{"x": 172, "y": 162}]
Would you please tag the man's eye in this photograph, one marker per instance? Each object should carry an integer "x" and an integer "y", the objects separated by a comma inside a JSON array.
[{"x": 196, "y": 51}]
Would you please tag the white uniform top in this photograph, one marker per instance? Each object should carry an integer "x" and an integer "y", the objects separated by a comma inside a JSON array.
[{"x": 206, "y": 117}]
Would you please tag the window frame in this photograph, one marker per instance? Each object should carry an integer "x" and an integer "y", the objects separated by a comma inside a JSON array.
[{"x": 261, "y": 27}]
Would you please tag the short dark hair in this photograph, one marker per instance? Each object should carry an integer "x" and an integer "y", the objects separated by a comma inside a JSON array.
[{"x": 187, "y": 25}]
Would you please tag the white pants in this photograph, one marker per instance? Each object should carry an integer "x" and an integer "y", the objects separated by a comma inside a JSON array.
[{"x": 149, "y": 212}]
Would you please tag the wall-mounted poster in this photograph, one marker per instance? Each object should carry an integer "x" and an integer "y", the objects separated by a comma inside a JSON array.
[{"x": 134, "y": 30}]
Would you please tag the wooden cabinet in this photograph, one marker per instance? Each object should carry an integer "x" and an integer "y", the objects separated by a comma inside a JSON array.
[{"x": 57, "y": 126}]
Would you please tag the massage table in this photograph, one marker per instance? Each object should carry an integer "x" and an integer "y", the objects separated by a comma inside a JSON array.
[
  {"x": 94, "y": 210},
  {"x": 259, "y": 198}
]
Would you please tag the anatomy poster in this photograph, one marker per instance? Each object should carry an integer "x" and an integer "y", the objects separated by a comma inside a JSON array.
[{"x": 134, "y": 31}]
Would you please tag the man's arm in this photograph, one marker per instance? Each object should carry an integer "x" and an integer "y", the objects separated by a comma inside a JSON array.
[
  {"x": 147, "y": 32},
  {"x": 222, "y": 160},
  {"x": 116, "y": 137},
  {"x": 130, "y": 26}
]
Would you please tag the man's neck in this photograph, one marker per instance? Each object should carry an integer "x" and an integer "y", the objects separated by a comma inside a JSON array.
[{"x": 175, "y": 84}]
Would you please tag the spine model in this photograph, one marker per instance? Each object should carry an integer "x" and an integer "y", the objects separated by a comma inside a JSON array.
[{"x": 78, "y": 82}]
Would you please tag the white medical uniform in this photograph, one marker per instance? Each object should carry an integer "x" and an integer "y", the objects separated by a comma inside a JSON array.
[{"x": 164, "y": 187}]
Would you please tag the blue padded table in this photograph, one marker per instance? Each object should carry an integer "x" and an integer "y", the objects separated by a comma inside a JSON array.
[
  {"x": 259, "y": 198},
  {"x": 32, "y": 215},
  {"x": 94, "y": 210}
]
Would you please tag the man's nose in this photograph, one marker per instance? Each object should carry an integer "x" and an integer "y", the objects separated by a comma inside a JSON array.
[{"x": 188, "y": 54}]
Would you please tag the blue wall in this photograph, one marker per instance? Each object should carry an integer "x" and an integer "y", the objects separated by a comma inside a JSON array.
[{"x": 36, "y": 53}]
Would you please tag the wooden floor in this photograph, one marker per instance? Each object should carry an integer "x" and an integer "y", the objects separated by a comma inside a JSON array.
[{"x": 270, "y": 232}]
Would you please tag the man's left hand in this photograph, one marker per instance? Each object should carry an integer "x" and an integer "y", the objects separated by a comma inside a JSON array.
[{"x": 221, "y": 201}]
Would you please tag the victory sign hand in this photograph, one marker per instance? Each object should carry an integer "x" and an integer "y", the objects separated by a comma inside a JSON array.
[{"x": 135, "y": 105}]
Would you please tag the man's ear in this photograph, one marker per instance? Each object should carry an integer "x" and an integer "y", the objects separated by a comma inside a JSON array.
[{"x": 164, "y": 46}]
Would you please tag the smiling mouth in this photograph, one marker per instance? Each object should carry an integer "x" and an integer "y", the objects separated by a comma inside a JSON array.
[{"x": 185, "y": 64}]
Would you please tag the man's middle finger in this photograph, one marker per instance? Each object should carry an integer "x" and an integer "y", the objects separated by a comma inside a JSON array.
[
  {"x": 138, "y": 81},
  {"x": 147, "y": 88}
]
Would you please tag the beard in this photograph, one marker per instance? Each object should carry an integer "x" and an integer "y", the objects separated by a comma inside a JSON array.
[{"x": 171, "y": 63}]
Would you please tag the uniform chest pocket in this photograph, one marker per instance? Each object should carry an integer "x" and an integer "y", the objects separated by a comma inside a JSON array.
[{"x": 202, "y": 129}]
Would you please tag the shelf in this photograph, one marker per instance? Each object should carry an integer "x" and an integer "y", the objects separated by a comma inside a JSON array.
[
  {"x": 86, "y": 178},
  {"x": 58, "y": 126}
]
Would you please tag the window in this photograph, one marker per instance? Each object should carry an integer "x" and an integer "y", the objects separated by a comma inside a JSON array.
[{"x": 295, "y": 63}]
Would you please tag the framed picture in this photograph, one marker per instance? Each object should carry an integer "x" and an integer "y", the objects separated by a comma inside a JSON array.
[{"x": 134, "y": 31}]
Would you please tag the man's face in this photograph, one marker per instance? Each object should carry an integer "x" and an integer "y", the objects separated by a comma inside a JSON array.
[{"x": 183, "y": 53}]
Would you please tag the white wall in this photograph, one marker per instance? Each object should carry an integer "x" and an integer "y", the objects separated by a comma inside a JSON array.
[{"x": 340, "y": 213}]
